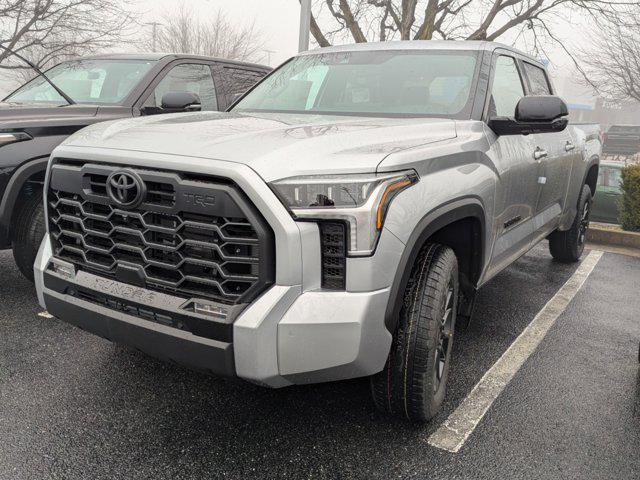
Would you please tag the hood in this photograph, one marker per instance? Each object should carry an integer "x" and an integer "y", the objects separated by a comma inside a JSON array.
[
  {"x": 34, "y": 115},
  {"x": 275, "y": 145}
]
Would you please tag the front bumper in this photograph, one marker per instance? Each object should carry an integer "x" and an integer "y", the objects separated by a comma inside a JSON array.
[
  {"x": 156, "y": 340},
  {"x": 286, "y": 336},
  {"x": 292, "y": 333}
]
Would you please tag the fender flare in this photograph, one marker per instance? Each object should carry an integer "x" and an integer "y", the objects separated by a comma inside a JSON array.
[
  {"x": 593, "y": 161},
  {"x": 433, "y": 221},
  {"x": 12, "y": 191}
]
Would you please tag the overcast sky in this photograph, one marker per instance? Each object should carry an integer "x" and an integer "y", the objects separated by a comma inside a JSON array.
[{"x": 278, "y": 20}]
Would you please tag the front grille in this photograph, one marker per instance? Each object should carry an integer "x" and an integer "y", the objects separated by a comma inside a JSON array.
[{"x": 190, "y": 236}]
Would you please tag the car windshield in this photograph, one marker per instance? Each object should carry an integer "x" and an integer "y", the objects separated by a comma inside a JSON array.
[
  {"x": 85, "y": 81},
  {"x": 377, "y": 83}
]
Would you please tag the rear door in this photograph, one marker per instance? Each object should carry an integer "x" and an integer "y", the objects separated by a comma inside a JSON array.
[
  {"x": 608, "y": 193},
  {"x": 556, "y": 154}
]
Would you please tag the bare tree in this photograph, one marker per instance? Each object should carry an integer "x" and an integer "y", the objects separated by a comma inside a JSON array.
[
  {"x": 46, "y": 31},
  {"x": 367, "y": 20},
  {"x": 184, "y": 31},
  {"x": 612, "y": 64}
]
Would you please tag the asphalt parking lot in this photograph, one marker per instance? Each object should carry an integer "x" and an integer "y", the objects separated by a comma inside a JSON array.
[{"x": 74, "y": 406}]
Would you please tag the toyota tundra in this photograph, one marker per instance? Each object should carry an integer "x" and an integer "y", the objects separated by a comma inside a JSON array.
[{"x": 335, "y": 223}]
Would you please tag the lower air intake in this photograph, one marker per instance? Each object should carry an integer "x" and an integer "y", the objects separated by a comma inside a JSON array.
[{"x": 333, "y": 242}]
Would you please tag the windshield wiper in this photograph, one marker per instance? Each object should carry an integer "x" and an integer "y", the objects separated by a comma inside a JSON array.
[{"x": 41, "y": 73}]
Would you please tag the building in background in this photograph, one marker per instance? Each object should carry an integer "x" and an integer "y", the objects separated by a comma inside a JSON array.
[{"x": 585, "y": 105}]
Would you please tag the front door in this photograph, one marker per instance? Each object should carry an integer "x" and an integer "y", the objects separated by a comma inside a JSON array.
[
  {"x": 182, "y": 77},
  {"x": 517, "y": 169}
]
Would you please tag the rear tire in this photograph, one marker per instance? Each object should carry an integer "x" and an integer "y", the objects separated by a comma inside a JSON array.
[
  {"x": 413, "y": 382},
  {"x": 28, "y": 232},
  {"x": 567, "y": 246}
]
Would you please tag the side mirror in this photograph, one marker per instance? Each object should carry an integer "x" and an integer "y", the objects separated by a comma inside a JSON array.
[
  {"x": 534, "y": 114},
  {"x": 181, "y": 102}
]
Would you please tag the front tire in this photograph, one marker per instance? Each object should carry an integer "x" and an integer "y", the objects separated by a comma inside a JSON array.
[
  {"x": 413, "y": 382},
  {"x": 28, "y": 232},
  {"x": 567, "y": 246}
]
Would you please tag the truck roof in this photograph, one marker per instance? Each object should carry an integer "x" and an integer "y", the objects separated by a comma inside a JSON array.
[
  {"x": 476, "y": 45},
  {"x": 161, "y": 55}
]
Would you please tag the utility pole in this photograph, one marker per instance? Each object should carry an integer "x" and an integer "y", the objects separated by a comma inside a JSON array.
[
  {"x": 305, "y": 25},
  {"x": 154, "y": 33}
]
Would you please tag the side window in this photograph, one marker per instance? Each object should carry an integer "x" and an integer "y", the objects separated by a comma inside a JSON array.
[
  {"x": 537, "y": 79},
  {"x": 187, "y": 77},
  {"x": 238, "y": 80},
  {"x": 507, "y": 88},
  {"x": 610, "y": 179},
  {"x": 615, "y": 179},
  {"x": 603, "y": 177}
]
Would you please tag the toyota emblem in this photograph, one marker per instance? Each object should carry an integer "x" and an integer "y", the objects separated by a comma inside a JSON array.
[{"x": 125, "y": 188}]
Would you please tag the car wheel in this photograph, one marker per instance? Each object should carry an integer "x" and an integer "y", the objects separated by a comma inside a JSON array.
[
  {"x": 413, "y": 382},
  {"x": 28, "y": 232},
  {"x": 568, "y": 246}
]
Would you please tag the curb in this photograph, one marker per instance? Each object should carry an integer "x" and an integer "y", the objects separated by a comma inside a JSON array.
[{"x": 613, "y": 237}]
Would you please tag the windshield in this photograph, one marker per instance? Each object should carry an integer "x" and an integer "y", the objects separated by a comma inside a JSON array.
[
  {"x": 85, "y": 81},
  {"x": 377, "y": 83}
]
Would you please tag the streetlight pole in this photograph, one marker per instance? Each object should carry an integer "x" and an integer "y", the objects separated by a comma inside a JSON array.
[
  {"x": 305, "y": 25},
  {"x": 269, "y": 52},
  {"x": 154, "y": 33}
]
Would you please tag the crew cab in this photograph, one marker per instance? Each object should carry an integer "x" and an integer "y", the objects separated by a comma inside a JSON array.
[
  {"x": 336, "y": 223},
  {"x": 39, "y": 115}
]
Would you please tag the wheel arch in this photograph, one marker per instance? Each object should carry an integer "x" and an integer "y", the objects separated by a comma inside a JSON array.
[
  {"x": 446, "y": 224},
  {"x": 31, "y": 171}
]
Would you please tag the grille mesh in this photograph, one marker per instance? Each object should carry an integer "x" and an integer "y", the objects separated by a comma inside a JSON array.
[
  {"x": 194, "y": 253},
  {"x": 333, "y": 244}
]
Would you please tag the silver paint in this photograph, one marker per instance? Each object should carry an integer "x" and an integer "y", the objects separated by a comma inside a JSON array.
[{"x": 295, "y": 332}]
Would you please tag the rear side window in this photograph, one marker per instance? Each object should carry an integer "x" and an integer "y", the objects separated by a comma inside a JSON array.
[
  {"x": 537, "y": 80},
  {"x": 507, "y": 89},
  {"x": 610, "y": 177},
  {"x": 238, "y": 80}
]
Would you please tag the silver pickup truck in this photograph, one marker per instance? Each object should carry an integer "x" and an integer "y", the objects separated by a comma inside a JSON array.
[{"x": 335, "y": 223}]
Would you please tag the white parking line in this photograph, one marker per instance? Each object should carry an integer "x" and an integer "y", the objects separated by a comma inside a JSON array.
[
  {"x": 45, "y": 315},
  {"x": 452, "y": 434}
]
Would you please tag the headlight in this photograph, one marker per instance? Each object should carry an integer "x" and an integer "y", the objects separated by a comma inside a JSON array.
[
  {"x": 12, "y": 137},
  {"x": 361, "y": 200}
]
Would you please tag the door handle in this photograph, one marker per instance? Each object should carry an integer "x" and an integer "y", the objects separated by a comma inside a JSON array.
[
  {"x": 540, "y": 153},
  {"x": 569, "y": 146}
]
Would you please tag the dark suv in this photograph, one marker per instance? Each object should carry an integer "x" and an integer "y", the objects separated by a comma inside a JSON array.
[{"x": 37, "y": 117}]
